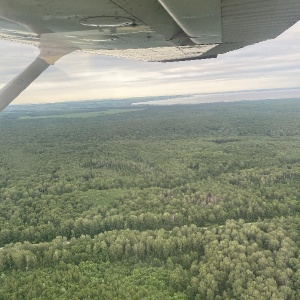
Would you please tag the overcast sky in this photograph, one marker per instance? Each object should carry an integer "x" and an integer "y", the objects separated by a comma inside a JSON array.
[{"x": 269, "y": 65}]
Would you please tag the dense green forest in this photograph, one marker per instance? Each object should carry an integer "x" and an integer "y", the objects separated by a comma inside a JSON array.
[{"x": 113, "y": 201}]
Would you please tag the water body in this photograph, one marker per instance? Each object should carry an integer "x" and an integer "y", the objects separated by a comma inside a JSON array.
[{"x": 227, "y": 97}]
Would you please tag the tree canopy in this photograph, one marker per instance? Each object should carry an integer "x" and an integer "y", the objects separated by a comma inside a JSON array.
[{"x": 180, "y": 202}]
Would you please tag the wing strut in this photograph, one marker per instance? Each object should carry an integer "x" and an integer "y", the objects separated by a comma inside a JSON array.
[{"x": 16, "y": 86}]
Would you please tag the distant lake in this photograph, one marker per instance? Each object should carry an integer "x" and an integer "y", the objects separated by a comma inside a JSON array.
[{"x": 228, "y": 97}]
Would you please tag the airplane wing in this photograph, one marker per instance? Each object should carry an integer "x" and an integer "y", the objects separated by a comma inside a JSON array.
[{"x": 149, "y": 30}]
